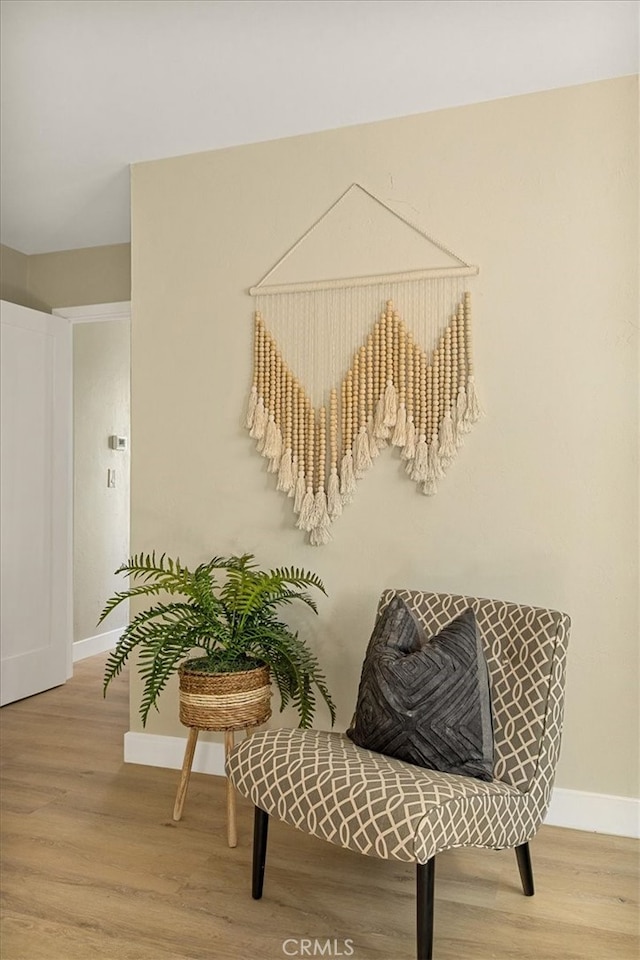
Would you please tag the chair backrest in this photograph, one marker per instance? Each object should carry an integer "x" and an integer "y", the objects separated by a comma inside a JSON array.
[{"x": 525, "y": 649}]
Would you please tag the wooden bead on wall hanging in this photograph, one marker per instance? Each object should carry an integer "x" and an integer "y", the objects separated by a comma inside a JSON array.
[{"x": 344, "y": 368}]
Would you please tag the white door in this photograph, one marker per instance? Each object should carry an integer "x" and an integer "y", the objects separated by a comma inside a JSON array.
[{"x": 36, "y": 502}]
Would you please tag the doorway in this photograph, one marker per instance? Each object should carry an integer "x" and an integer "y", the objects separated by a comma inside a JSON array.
[{"x": 101, "y": 336}]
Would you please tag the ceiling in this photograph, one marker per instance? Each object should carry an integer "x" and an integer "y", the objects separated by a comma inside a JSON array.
[{"x": 91, "y": 86}]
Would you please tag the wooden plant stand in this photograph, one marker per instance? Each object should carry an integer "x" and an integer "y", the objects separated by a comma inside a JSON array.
[
  {"x": 219, "y": 702},
  {"x": 192, "y": 739}
]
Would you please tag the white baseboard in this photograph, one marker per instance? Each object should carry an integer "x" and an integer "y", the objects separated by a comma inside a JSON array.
[
  {"x": 595, "y": 812},
  {"x": 98, "y": 644},
  {"x": 152, "y": 750},
  {"x": 573, "y": 809}
]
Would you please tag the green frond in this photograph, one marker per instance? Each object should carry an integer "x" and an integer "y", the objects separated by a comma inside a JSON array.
[
  {"x": 141, "y": 590},
  {"x": 216, "y": 563},
  {"x": 165, "y": 572},
  {"x": 246, "y": 561},
  {"x": 296, "y": 669},
  {"x": 288, "y": 596},
  {"x": 297, "y": 577},
  {"x": 156, "y": 668}
]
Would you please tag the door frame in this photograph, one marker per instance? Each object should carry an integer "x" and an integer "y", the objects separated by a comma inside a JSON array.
[{"x": 95, "y": 312}]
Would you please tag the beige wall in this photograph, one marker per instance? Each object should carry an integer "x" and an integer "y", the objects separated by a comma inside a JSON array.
[
  {"x": 14, "y": 278},
  {"x": 67, "y": 278},
  {"x": 71, "y": 278},
  {"x": 101, "y": 392},
  {"x": 541, "y": 504}
]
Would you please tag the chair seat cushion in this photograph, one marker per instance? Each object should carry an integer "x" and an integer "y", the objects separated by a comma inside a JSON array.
[{"x": 325, "y": 785}]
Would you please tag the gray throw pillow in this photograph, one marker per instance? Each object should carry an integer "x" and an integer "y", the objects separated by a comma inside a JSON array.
[{"x": 426, "y": 700}]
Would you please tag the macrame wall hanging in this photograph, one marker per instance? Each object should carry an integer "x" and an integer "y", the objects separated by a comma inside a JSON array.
[{"x": 344, "y": 367}]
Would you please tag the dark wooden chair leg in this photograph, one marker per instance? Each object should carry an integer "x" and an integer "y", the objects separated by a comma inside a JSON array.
[
  {"x": 425, "y": 886},
  {"x": 260, "y": 832},
  {"x": 526, "y": 871}
]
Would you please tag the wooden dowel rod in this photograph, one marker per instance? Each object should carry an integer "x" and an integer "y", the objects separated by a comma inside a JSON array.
[
  {"x": 232, "y": 833},
  {"x": 434, "y": 274},
  {"x": 181, "y": 796}
]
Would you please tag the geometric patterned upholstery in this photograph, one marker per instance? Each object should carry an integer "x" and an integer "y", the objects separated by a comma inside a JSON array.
[{"x": 323, "y": 784}]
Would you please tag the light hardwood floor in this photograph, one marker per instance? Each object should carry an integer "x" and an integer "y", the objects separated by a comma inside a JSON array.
[{"x": 93, "y": 866}]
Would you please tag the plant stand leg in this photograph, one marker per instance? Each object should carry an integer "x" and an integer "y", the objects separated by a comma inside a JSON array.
[
  {"x": 232, "y": 836},
  {"x": 186, "y": 772}
]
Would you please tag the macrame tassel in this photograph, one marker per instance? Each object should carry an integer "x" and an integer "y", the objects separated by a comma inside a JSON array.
[
  {"x": 399, "y": 438},
  {"x": 319, "y": 536},
  {"x": 447, "y": 448},
  {"x": 272, "y": 440},
  {"x": 274, "y": 462},
  {"x": 294, "y": 476},
  {"x": 374, "y": 449},
  {"x": 300, "y": 490},
  {"x": 429, "y": 487},
  {"x": 420, "y": 462},
  {"x": 270, "y": 447},
  {"x": 390, "y": 405},
  {"x": 251, "y": 408},
  {"x": 305, "y": 517},
  {"x": 409, "y": 449},
  {"x": 259, "y": 421},
  {"x": 363, "y": 459},
  {"x": 460, "y": 426},
  {"x": 285, "y": 473},
  {"x": 334, "y": 501},
  {"x": 434, "y": 470},
  {"x": 473, "y": 411},
  {"x": 320, "y": 515},
  {"x": 347, "y": 478},
  {"x": 461, "y": 408},
  {"x": 276, "y": 447},
  {"x": 380, "y": 431}
]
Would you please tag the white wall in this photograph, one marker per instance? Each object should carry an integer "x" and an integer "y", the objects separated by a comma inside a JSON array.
[{"x": 101, "y": 371}]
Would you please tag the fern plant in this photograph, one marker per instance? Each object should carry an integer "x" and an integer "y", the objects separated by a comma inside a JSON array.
[{"x": 226, "y": 608}]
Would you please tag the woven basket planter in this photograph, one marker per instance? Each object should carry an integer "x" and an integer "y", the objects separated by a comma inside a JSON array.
[{"x": 224, "y": 701}]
